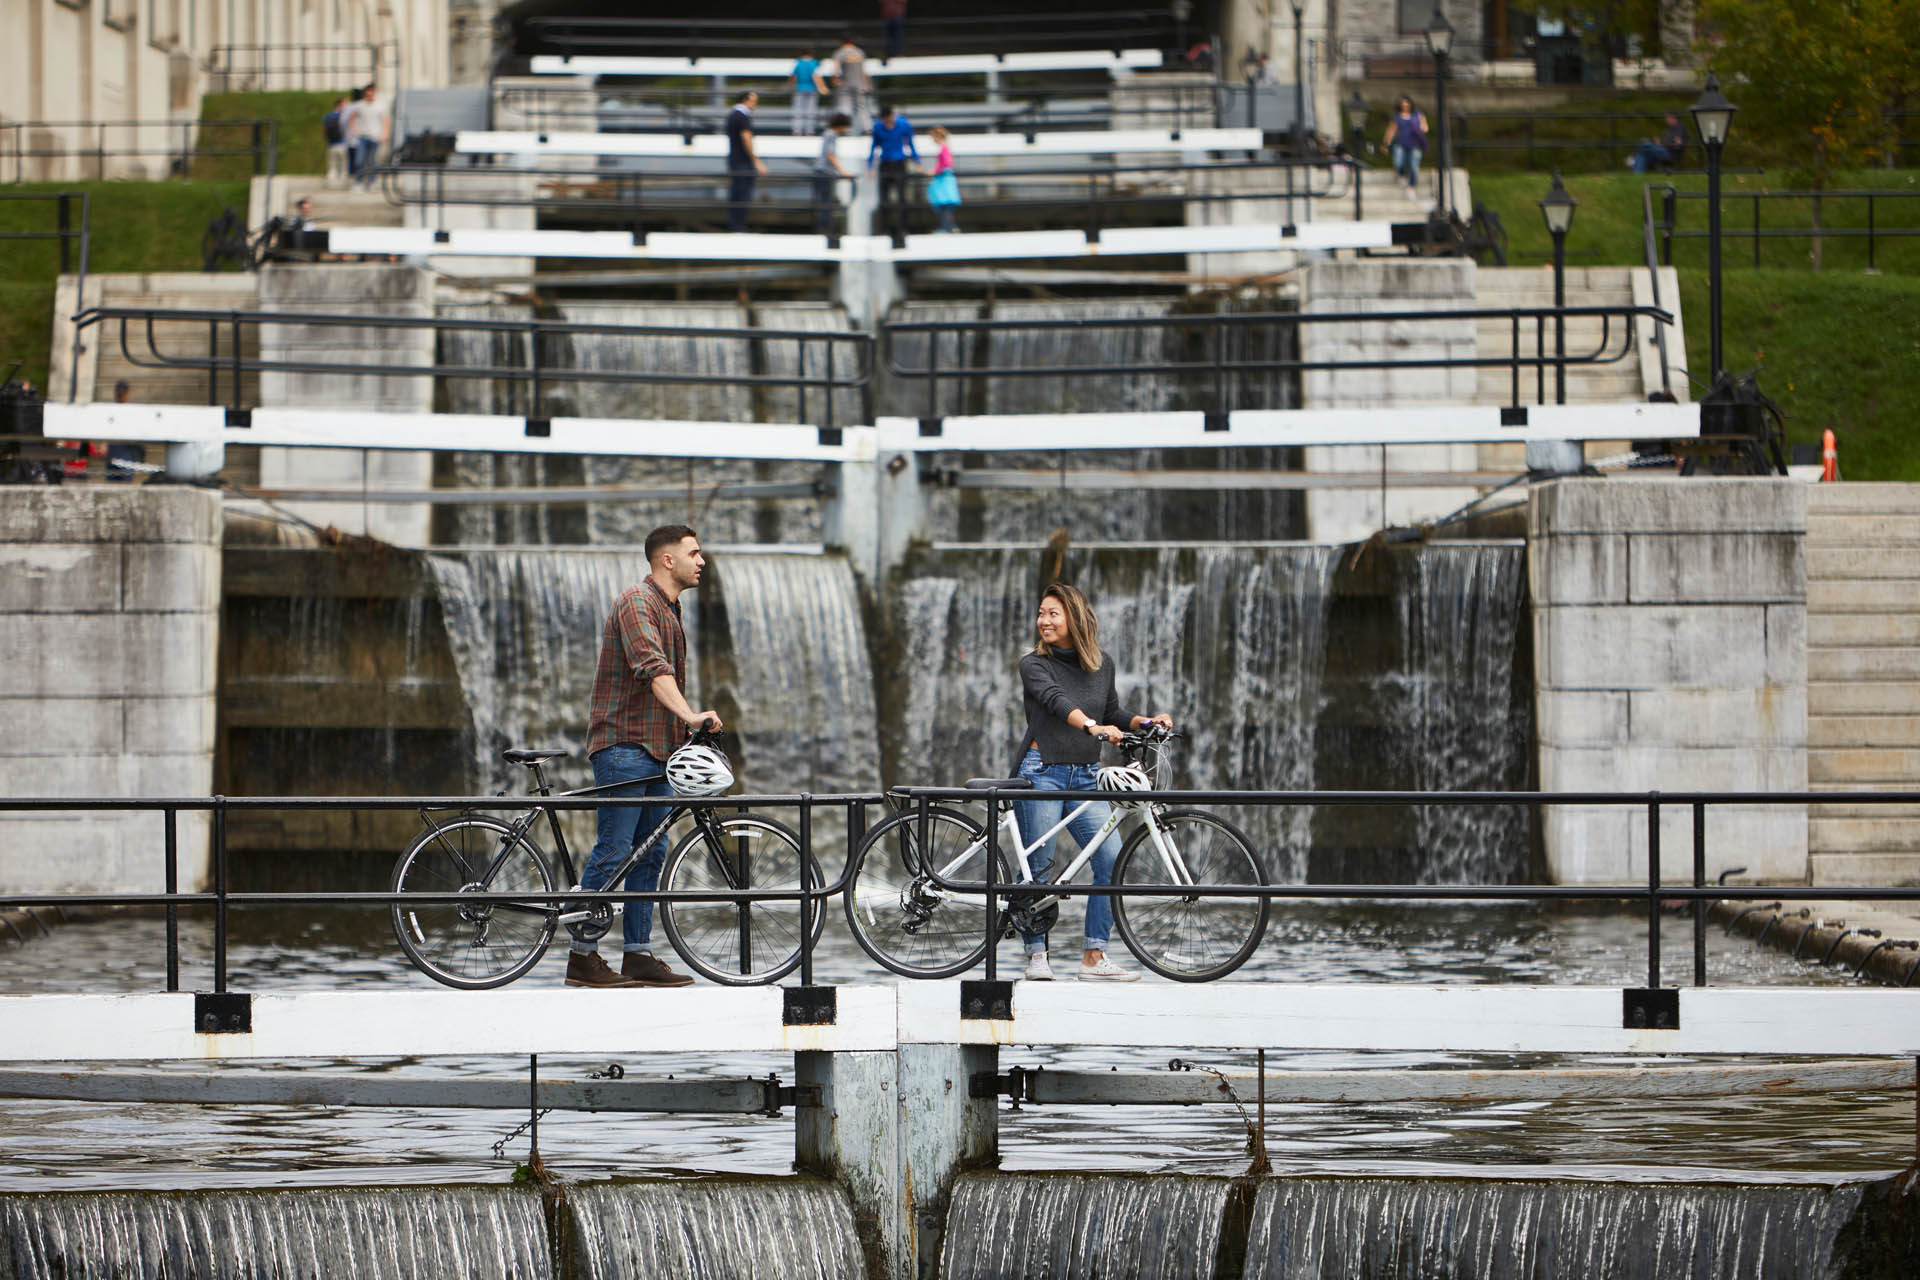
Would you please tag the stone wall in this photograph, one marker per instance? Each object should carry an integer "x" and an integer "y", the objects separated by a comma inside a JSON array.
[
  {"x": 109, "y": 608},
  {"x": 1670, "y": 652}
]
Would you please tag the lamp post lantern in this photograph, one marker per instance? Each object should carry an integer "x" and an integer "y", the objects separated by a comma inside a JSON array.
[
  {"x": 1557, "y": 209},
  {"x": 1440, "y": 43},
  {"x": 1713, "y": 118},
  {"x": 1299, "y": 79}
]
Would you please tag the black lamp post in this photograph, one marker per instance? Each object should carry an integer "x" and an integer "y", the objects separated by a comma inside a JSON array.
[
  {"x": 1440, "y": 44},
  {"x": 1713, "y": 117},
  {"x": 1299, "y": 80},
  {"x": 1557, "y": 208}
]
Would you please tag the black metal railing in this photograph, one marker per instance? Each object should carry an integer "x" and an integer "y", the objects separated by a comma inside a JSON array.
[
  {"x": 695, "y": 36},
  {"x": 1540, "y": 138},
  {"x": 1695, "y": 892},
  {"x": 952, "y": 359},
  {"x": 72, "y": 218},
  {"x": 338, "y": 65},
  {"x": 1653, "y": 277},
  {"x": 1864, "y": 204},
  {"x": 97, "y": 146},
  {"x": 824, "y": 362}
]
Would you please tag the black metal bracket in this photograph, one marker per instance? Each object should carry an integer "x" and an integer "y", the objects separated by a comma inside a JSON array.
[
  {"x": 1215, "y": 422},
  {"x": 777, "y": 1095},
  {"x": 222, "y": 1012},
  {"x": 540, "y": 428},
  {"x": 829, "y": 436},
  {"x": 980, "y": 1000},
  {"x": 1513, "y": 415},
  {"x": 985, "y": 1084},
  {"x": 1656, "y": 1008},
  {"x": 809, "y": 1006},
  {"x": 932, "y": 427},
  {"x": 443, "y": 237},
  {"x": 240, "y": 419}
]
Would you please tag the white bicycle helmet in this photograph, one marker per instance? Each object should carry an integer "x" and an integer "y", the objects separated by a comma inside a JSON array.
[
  {"x": 695, "y": 770},
  {"x": 1122, "y": 777}
]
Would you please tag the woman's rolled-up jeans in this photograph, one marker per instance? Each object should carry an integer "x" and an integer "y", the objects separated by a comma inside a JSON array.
[
  {"x": 1036, "y": 817},
  {"x": 1406, "y": 163}
]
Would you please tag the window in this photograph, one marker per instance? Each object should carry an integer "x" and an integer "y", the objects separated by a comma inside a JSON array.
[
  {"x": 163, "y": 24},
  {"x": 119, "y": 14}
]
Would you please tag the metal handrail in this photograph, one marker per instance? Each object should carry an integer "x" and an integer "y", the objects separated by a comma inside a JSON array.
[
  {"x": 709, "y": 37},
  {"x": 1653, "y": 276},
  {"x": 303, "y": 61},
  {"x": 851, "y": 373},
  {"x": 1654, "y": 892},
  {"x": 1220, "y": 366},
  {"x": 262, "y": 143},
  {"x": 1670, "y": 229}
]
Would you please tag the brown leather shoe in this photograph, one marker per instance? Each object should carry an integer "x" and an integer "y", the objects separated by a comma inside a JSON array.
[
  {"x": 640, "y": 969},
  {"x": 590, "y": 970}
]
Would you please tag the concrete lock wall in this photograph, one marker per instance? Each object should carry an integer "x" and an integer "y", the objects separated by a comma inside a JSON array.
[
  {"x": 1670, "y": 653},
  {"x": 109, "y": 609}
]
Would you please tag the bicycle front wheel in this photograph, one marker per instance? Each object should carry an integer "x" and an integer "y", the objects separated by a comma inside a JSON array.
[
  {"x": 743, "y": 942},
  {"x": 1184, "y": 936},
  {"x": 473, "y": 945},
  {"x": 900, "y": 917}
]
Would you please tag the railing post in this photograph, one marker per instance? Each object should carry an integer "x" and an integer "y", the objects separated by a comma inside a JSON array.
[
  {"x": 1653, "y": 889},
  {"x": 1756, "y": 239},
  {"x": 1699, "y": 904},
  {"x": 213, "y": 356},
  {"x": 992, "y": 877},
  {"x": 219, "y": 893},
  {"x": 806, "y": 891},
  {"x": 65, "y": 222},
  {"x": 254, "y": 129},
  {"x": 100, "y": 153},
  {"x": 1870, "y": 261},
  {"x": 933, "y": 374},
  {"x": 171, "y": 817},
  {"x": 533, "y": 354},
  {"x": 1669, "y": 211}
]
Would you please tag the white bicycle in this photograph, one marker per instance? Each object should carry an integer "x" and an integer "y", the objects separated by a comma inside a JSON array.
[{"x": 905, "y": 914}]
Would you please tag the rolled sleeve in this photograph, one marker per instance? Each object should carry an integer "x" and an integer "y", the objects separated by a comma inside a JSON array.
[{"x": 640, "y": 635}]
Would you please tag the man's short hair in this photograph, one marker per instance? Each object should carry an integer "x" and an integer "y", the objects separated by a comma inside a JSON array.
[
  {"x": 886, "y": 108},
  {"x": 742, "y": 96},
  {"x": 839, "y": 120},
  {"x": 667, "y": 535},
  {"x": 121, "y": 388}
]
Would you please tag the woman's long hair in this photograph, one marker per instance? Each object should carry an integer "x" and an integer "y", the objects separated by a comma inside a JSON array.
[{"x": 1083, "y": 632}]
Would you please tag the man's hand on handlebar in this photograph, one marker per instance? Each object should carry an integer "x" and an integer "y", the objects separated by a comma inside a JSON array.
[{"x": 707, "y": 722}]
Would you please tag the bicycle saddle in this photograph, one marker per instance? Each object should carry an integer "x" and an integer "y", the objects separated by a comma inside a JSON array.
[
  {"x": 531, "y": 755},
  {"x": 1003, "y": 784}
]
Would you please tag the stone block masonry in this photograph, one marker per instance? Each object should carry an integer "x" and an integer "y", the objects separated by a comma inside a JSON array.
[
  {"x": 109, "y": 608},
  {"x": 1670, "y": 642}
]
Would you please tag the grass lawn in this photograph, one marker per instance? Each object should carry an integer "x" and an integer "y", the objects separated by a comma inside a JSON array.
[
  {"x": 1835, "y": 347},
  {"x": 135, "y": 226},
  {"x": 1498, "y": 142},
  {"x": 301, "y": 147}
]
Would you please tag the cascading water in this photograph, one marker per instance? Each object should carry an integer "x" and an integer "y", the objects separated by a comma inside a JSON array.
[
  {"x": 1475, "y": 1229},
  {"x": 1120, "y": 512},
  {"x": 786, "y": 665},
  {"x": 771, "y": 1229},
  {"x": 1081, "y": 1226},
  {"x": 410, "y": 1233}
]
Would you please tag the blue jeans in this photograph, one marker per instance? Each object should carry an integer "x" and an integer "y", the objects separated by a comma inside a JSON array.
[
  {"x": 1406, "y": 163},
  {"x": 619, "y": 831},
  {"x": 1036, "y": 817},
  {"x": 365, "y": 152}
]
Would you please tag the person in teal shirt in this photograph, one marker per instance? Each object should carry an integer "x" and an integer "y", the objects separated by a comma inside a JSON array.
[
  {"x": 808, "y": 84},
  {"x": 892, "y": 144}
]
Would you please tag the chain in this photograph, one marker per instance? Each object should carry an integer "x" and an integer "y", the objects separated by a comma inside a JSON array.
[
  {"x": 1256, "y": 1140},
  {"x": 500, "y": 1147}
]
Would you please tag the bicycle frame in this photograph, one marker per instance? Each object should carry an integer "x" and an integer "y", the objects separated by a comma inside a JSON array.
[{"x": 1177, "y": 872}]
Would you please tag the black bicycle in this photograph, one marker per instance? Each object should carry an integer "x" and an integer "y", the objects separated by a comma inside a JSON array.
[{"x": 475, "y": 945}]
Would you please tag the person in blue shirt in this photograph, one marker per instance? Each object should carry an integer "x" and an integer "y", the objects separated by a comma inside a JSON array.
[
  {"x": 892, "y": 144},
  {"x": 808, "y": 83}
]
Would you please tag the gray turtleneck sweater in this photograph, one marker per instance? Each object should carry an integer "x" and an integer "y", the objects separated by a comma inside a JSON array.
[{"x": 1056, "y": 685}]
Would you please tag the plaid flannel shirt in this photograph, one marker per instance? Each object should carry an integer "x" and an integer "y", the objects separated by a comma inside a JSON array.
[{"x": 643, "y": 639}]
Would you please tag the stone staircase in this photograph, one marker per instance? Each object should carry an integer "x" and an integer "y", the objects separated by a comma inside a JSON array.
[
  {"x": 1863, "y": 679},
  {"x": 1497, "y": 287}
]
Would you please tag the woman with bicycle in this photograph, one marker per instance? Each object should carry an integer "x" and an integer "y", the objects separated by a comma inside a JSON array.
[{"x": 1071, "y": 710}]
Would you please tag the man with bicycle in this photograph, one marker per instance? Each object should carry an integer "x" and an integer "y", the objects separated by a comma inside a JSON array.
[{"x": 638, "y": 715}]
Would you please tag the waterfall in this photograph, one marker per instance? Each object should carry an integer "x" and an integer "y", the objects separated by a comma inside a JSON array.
[
  {"x": 1475, "y": 1229},
  {"x": 412, "y": 1233},
  {"x": 786, "y": 664},
  {"x": 1074, "y": 1226},
  {"x": 1290, "y": 668},
  {"x": 770, "y": 1229}
]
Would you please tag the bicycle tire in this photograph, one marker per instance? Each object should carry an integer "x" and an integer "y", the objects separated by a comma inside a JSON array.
[
  {"x": 916, "y": 930},
  {"x": 1187, "y": 938},
  {"x": 707, "y": 934},
  {"x": 478, "y": 945}
]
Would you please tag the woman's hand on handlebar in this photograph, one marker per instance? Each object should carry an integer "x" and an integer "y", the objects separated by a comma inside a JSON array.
[{"x": 1105, "y": 732}]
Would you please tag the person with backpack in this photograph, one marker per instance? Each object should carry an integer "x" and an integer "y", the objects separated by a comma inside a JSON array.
[{"x": 334, "y": 126}]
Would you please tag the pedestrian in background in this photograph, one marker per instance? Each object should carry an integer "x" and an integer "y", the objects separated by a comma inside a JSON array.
[
  {"x": 855, "y": 87},
  {"x": 367, "y": 126},
  {"x": 893, "y": 16},
  {"x": 333, "y": 126},
  {"x": 744, "y": 166},
  {"x": 827, "y": 171},
  {"x": 892, "y": 144},
  {"x": 1407, "y": 141},
  {"x": 349, "y": 137},
  {"x": 943, "y": 188},
  {"x": 808, "y": 84}
]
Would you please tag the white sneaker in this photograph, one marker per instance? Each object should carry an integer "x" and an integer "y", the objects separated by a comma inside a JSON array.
[
  {"x": 1038, "y": 970},
  {"x": 1105, "y": 970}
]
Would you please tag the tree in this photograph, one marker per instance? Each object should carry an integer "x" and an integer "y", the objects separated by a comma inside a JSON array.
[{"x": 1814, "y": 82}]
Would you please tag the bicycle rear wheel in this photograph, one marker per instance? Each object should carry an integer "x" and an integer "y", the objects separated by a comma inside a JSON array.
[
  {"x": 739, "y": 943},
  {"x": 1183, "y": 936},
  {"x": 903, "y": 920},
  {"x": 473, "y": 945}
]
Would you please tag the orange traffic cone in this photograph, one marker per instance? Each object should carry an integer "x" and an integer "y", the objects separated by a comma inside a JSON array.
[{"x": 1829, "y": 457}]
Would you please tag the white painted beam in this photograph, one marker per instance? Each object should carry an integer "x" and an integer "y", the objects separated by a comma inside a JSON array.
[
  {"x": 1427, "y": 424},
  {"x": 852, "y": 150},
  {"x": 781, "y": 68},
  {"x": 356, "y": 429}
]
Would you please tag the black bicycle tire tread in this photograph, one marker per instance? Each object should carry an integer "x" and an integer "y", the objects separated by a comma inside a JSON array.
[
  {"x": 810, "y": 872},
  {"x": 436, "y": 833},
  {"x": 849, "y": 903},
  {"x": 1134, "y": 944}
]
